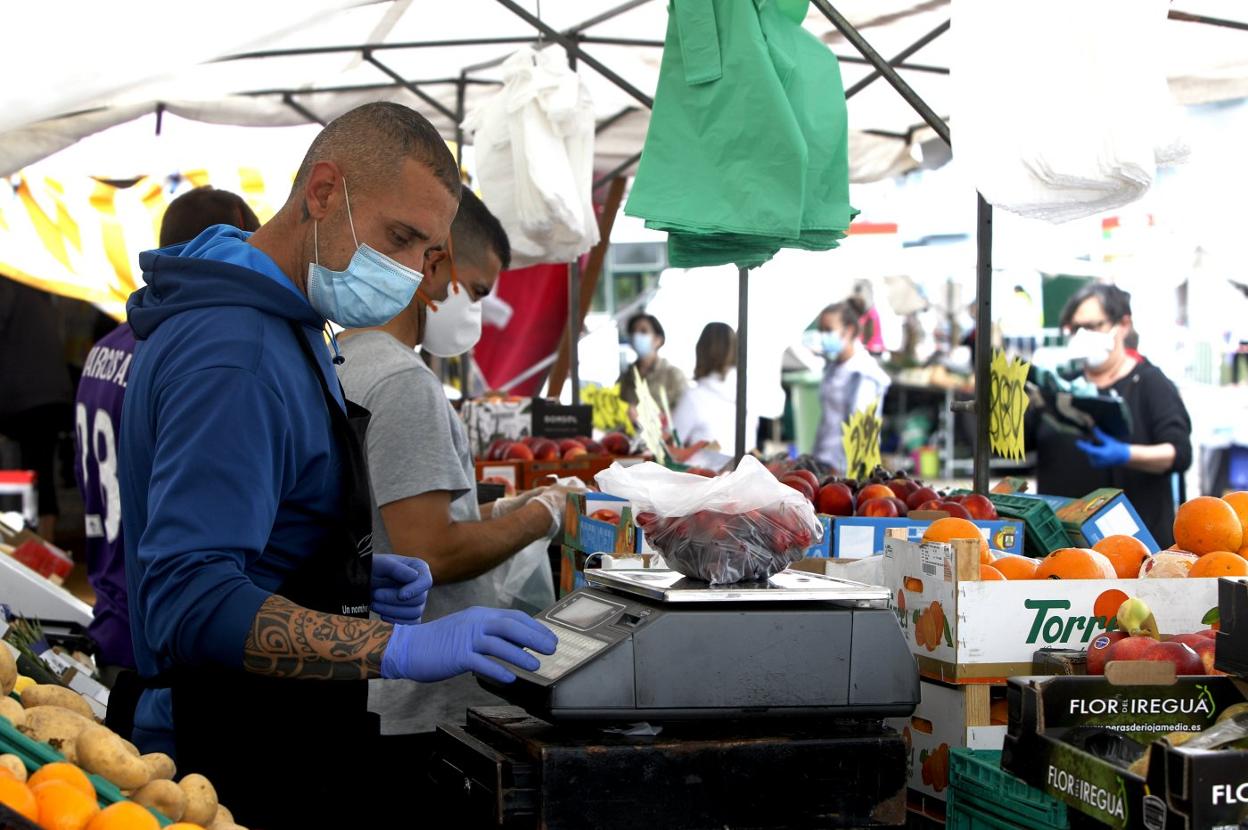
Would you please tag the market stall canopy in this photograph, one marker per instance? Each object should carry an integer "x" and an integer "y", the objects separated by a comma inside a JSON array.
[{"x": 275, "y": 64}]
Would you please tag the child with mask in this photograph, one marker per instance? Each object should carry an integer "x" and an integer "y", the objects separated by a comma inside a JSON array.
[
  {"x": 852, "y": 379},
  {"x": 645, "y": 334},
  {"x": 1097, "y": 319}
]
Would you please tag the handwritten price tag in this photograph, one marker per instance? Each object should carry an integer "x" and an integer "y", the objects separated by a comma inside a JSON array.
[
  {"x": 861, "y": 436},
  {"x": 1008, "y": 406},
  {"x": 650, "y": 419},
  {"x": 610, "y": 412}
]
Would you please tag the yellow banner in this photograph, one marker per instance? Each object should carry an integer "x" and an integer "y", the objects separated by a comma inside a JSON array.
[{"x": 81, "y": 238}]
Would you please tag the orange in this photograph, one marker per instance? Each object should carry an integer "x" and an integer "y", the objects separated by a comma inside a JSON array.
[
  {"x": 66, "y": 773},
  {"x": 987, "y": 573},
  {"x": 1016, "y": 567},
  {"x": 948, "y": 529},
  {"x": 1239, "y": 503},
  {"x": 1107, "y": 604},
  {"x": 63, "y": 806},
  {"x": 17, "y": 797},
  {"x": 1220, "y": 563},
  {"x": 124, "y": 815},
  {"x": 1125, "y": 553},
  {"x": 1206, "y": 524},
  {"x": 1075, "y": 563},
  {"x": 1244, "y": 551}
]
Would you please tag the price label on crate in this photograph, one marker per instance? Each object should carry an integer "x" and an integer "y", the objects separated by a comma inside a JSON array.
[
  {"x": 861, "y": 436},
  {"x": 1008, "y": 406}
]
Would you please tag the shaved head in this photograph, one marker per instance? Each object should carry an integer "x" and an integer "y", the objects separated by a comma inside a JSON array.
[{"x": 370, "y": 143}]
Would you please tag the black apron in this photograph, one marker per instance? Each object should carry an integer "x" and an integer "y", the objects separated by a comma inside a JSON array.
[{"x": 293, "y": 753}]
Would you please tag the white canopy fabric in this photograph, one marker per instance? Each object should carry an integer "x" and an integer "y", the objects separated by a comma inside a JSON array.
[{"x": 123, "y": 59}]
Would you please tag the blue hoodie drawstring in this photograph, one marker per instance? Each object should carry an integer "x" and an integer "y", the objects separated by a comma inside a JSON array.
[{"x": 333, "y": 341}]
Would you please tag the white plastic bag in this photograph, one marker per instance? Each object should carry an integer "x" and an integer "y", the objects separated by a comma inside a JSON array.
[
  {"x": 525, "y": 581},
  {"x": 744, "y": 525}
]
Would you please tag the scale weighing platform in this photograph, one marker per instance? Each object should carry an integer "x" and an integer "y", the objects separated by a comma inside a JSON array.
[{"x": 656, "y": 646}]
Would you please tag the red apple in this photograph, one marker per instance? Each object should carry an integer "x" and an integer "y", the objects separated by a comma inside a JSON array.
[
  {"x": 878, "y": 508},
  {"x": 809, "y": 477},
  {"x": 497, "y": 450},
  {"x": 702, "y": 471},
  {"x": 519, "y": 452},
  {"x": 1207, "y": 651},
  {"x": 1186, "y": 661},
  {"x": 605, "y": 515},
  {"x": 921, "y": 496},
  {"x": 955, "y": 509},
  {"x": 956, "y": 499},
  {"x": 1129, "y": 648},
  {"x": 616, "y": 443},
  {"x": 902, "y": 488},
  {"x": 528, "y": 440},
  {"x": 800, "y": 485},
  {"x": 573, "y": 452},
  {"x": 932, "y": 504},
  {"x": 545, "y": 450},
  {"x": 570, "y": 443},
  {"x": 980, "y": 507},
  {"x": 835, "y": 499},
  {"x": 902, "y": 510},
  {"x": 1098, "y": 650},
  {"x": 1211, "y": 633},
  {"x": 874, "y": 491},
  {"x": 1191, "y": 640}
]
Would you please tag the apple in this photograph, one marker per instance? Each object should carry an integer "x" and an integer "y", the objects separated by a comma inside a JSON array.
[
  {"x": 1129, "y": 648},
  {"x": 528, "y": 440},
  {"x": 1207, "y": 651},
  {"x": 878, "y": 508},
  {"x": 955, "y": 509},
  {"x": 593, "y": 447},
  {"x": 1211, "y": 633},
  {"x": 874, "y": 491},
  {"x": 519, "y": 452},
  {"x": 1191, "y": 640},
  {"x": 545, "y": 450},
  {"x": 835, "y": 499},
  {"x": 646, "y": 519},
  {"x": 1185, "y": 660},
  {"x": 573, "y": 452},
  {"x": 1098, "y": 650},
  {"x": 958, "y": 499},
  {"x": 809, "y": 477},
  {"x": 616, "y": 443},
  {"x": 498, "y": 450},
  {"x": 800, "y": 485},
  {"x": 570, "y": 443},
  {"x": 902, "y": 510},
  {"x": 921, "y": 496},
  {"x": 604, "y": 515},
  {"x": 980, "y": 507},
  {"x": 902, "y": 487}
]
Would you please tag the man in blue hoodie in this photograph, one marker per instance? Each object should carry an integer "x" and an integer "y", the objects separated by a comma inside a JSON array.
[{"x": 245, "y": 494}]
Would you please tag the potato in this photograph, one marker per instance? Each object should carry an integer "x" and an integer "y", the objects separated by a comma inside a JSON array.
[
  {"x": 12, "y": 711},
  {"x": 223, "y": 818},
  {"x": 13, "y": 765},
  {"x": 43, "y": 694},
  {"x": 8, "y": 670},
  {"x": 229, "y": 825},
  {"x": 102, "y": 752},
  {"x": 131, "y": 748},
  {"x": 160, "y": 765},
  {"x": 163, "y": 795},
  {"x": 55, "y": 726},
  {"x": 201, "y": 799}
]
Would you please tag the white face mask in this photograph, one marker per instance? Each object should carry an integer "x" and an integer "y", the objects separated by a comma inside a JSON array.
[
  {"x": 454, "y": 326},
  {"x": 1093, "y": 347}
]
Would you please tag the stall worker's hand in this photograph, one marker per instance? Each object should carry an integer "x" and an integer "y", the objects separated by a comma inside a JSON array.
[
  {"x": 464, "y": 642},
  {"x": 1107, "y": 452},
  {"x": 511, "y": 504},
  {"x": 555, "y": 499},
  {"x": 400, "y": 586}
]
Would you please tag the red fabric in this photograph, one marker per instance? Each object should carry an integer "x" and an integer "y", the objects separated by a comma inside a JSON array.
[{"x": 538, "y": 296}]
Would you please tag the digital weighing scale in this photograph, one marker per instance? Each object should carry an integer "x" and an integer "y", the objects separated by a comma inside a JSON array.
[{"x": 656, "y": 646}]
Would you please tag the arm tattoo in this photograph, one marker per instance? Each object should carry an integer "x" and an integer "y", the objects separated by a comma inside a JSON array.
[{"x": 287, "y": 640}]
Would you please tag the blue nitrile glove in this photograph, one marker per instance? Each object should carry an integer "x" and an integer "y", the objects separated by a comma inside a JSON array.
[
  {"x": 464, "y": 642},
  {"x": 399, "y": 587},
  {"x": 1108, "y": 452}
]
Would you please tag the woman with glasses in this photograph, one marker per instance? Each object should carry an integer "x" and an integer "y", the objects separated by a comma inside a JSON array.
[{"x": 1097, "y": 320}]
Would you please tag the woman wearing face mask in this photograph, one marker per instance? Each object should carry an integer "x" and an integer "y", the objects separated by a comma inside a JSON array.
[
  {"x": 645, "y": 333},
  {"x": 1097, "y": 320},
  {"x": 708, "y": 411},
  {"x": 852, "y": 379}
]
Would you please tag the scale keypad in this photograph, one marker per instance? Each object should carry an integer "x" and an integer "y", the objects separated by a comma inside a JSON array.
[{"x": 574, "y": 648}]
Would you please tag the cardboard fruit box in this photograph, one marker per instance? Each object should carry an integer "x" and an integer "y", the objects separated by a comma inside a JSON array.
[
  {"x": 1183, "y": 789},
  {"x": 947, "y": 717},
  {"x": 962, "y": 630},
  {"x": 855, "y": 537},
  {"x": 587, "y": 529}
]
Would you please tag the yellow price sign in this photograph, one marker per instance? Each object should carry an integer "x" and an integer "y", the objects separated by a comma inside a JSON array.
[
  {"x": 1008, "y": 405},
  {"x": 861, "y": 437},
  {"x": 609, "y": 410}
]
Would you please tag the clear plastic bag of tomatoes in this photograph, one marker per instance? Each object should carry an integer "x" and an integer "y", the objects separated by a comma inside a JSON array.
[{"x": 740, "y": 526}]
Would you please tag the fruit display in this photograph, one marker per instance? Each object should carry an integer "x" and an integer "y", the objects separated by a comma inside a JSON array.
[
  {"x": 1140, "y": 639},
  {"x": 535, "y": 448},
  {"x": 61, "y": 795},
  {"x": 884, "y": 495}
]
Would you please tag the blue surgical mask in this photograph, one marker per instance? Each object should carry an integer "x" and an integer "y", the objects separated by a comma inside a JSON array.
[
  {"x": 832, "y": 345},
  {"x": 370, "y": 292},
  {"x": 643, "y": 344}
]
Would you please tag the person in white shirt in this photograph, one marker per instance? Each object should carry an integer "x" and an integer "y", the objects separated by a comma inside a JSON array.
[
  {"x": 708, "y": 410},
  {"x": 852, "y": 379}
]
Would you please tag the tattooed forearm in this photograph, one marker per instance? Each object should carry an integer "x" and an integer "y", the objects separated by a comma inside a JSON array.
[{"x": 287, "y": 640}]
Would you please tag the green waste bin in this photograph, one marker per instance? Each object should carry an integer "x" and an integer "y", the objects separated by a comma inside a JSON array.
[{"x": 805, "y": 409}]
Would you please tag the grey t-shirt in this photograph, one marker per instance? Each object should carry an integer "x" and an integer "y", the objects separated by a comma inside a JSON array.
[{"x": 416, "y": 444}]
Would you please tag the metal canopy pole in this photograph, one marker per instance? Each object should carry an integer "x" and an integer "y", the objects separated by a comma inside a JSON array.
[
  {"x": 574, "y": 331},
  {"x": 898, "y": 58},
  {"x": 617, "y": 170},
  {"x": 983, "y": 343},
  {"x": 289, "y": 100},
  {"x": 743, "y": 333},
  {"x": 409, "y": 86}
]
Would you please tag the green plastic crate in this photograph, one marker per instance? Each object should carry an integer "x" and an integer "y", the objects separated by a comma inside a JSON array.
[
  {"x": 982, "y": 795},
  {"x": 35, "y": 754},
  {"x": 1045, "y": 532}
]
